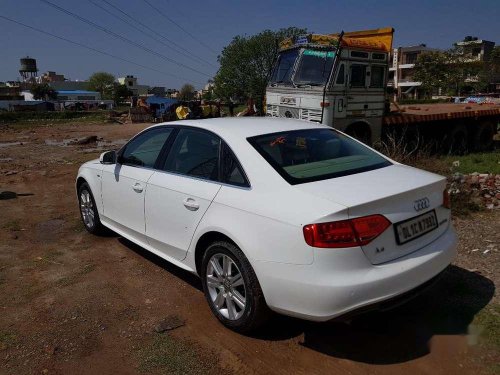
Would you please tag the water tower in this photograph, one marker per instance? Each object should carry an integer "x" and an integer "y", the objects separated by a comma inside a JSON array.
[{"x": 28, "y": 69}]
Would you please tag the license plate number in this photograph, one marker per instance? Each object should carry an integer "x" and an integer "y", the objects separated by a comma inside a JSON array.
[{"x": 415, "y": 227}]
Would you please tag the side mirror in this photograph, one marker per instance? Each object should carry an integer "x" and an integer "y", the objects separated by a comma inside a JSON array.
[{"x": 108, "y": 157}]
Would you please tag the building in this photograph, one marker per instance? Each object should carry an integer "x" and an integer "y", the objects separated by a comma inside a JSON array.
[
  {"x": 52, "y": 77},
  {"x": 131, "y": 82},
  {"x": 76, "y": 95},
  {"x": 172, "y": 93},
  {"x": 475, "y": 49},
  {"x": 157, "y": 91},
  {"x": 69, "y": 85},
  {"x": 402, "y": 69},
  {"x": 10, "y": 91}
]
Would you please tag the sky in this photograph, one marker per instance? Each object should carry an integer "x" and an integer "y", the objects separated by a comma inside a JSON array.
[{"x": 201, "y": 28}]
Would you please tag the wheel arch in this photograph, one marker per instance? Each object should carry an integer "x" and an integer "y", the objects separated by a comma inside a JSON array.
[
  {"x": 360, "y": 127},
  {"x": 205, "y": 240},
  {"x": 79, "y": 182}
]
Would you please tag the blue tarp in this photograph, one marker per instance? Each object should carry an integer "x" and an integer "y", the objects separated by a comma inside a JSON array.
[{"x": 167, "y": 103}]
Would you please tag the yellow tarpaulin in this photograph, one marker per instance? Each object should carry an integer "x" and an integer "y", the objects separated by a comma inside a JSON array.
[
  {"x": 182, "y": 112},
  {"x": 376, "y": 39}
]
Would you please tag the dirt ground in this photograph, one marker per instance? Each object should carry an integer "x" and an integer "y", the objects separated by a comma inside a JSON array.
[{"x": 73, "y": 303}]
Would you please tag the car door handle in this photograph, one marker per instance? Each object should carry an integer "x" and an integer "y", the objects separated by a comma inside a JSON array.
[
  {"x": 138, "y": 187},
  {"x": 190, "y": 204}
]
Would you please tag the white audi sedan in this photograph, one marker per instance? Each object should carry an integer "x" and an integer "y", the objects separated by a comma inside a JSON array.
[{"x": 273, "y": 214}]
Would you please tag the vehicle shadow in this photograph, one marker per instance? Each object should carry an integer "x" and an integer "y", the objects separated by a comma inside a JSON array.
[
  {"x": 400, "y": 334},
  {"x": 394, "y": 336},
  {"x": 184, "y": 275}
]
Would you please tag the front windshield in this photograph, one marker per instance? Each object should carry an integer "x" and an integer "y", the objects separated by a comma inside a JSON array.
[
  {"x": 283, "y": 72},
  {"x": 314, "y": 67}
]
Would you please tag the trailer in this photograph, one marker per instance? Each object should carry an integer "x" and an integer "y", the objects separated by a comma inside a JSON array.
[
  {"x": 455, "y": 127},
  {"x": 340, "y": 80}
]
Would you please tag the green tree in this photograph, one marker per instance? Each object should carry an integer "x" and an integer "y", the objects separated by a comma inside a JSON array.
[
  {"x": 431, "y": 70},
  {"x": 120, "y": 93},
  {"x": 103, "y": 83},
  {"x": 246, "y": 63},
  {"x": 187, "y": 92},
  {"x": 43, "y": 91}
]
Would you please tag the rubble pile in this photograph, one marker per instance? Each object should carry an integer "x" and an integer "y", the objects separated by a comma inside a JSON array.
[{"x": 482, "y": 187}]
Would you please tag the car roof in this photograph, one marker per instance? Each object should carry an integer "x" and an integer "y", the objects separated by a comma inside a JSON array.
[{"x": 244, "y": 127}]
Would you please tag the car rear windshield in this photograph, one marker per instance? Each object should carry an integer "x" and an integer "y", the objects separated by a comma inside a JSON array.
[{"x": 315, "y": 154}]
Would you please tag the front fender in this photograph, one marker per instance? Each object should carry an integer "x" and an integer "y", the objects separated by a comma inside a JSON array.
[{"x": 91, "y": 172}]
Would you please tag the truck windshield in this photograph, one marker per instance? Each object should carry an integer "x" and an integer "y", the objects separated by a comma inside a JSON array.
[
  {"x": 308, "y": 155},
  {"x": 314, "y": 67},
  {"x": 283, "y": 72}
]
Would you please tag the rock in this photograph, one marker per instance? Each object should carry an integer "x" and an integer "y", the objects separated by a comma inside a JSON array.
[
  {"x": 456, "y": 163},
  {"x": 7, "y": 195},
  {"x": 14, "y": 236},
  {"x": 169, "y": 323},
  {"x": 10, "y": 173},
  {"x": 84, "y": 140}
]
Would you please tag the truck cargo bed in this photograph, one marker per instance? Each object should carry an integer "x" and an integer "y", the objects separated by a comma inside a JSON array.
[{"x": 421, "y": 113}]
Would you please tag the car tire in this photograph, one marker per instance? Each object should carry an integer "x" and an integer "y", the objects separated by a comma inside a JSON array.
[
  {"x": 225, "y": 296},
  {"x": 88, "y": 210}
]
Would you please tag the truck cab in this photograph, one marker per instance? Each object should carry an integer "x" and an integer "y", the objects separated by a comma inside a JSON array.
[{"x": 337, "y": 80}]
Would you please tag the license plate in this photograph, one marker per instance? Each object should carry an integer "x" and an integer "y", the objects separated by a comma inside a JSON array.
[{"x": 415, "y": 227}]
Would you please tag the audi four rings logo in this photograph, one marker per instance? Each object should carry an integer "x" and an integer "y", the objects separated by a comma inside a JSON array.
[{"x": 421, "y": 204}]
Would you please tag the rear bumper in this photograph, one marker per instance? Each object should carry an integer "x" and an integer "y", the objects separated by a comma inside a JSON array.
[{"x": 343, "y": 280}]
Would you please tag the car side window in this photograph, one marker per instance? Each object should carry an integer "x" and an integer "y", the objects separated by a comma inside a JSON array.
[
  {"x": 232, "y": 172},
  {"x": 144, "y": 149},
  {"x": 194, "y": 153}
]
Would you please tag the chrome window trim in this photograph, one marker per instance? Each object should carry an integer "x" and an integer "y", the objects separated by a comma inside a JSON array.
[{"x": 181, "y": 126}]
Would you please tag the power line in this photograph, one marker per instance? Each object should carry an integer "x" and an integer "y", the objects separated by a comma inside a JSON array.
[
  {"x": 107, "y": 31},
  {"x": 185, "y": 52},
  {"x": 180, "y": 27},
  {"x": 96, "y": 50}
]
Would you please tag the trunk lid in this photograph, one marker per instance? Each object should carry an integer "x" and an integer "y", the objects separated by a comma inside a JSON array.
[{"x": 399, "y": 193}]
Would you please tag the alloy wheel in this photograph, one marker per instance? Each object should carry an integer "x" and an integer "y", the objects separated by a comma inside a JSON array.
[
  {"x": 226, "y": 286},
  {"x": 87, "y": 209}
]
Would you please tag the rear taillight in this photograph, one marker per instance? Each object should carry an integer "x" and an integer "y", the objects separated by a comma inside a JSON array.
[
  {"x": 346, "y": 233},
  {"x": 446, "y": 199}
]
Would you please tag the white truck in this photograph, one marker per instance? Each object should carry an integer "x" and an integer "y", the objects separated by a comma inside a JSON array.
[
  {"x": 340, "y": 80},
  {"x": 336, "y": 79}
]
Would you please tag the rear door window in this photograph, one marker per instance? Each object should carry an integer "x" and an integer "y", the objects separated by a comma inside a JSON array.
[
  {"x": 315, "y": 154},
  {"x": 194, "y": 153}
]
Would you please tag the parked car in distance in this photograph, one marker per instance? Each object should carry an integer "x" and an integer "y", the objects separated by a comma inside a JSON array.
[{"x": 273, "y": 214}]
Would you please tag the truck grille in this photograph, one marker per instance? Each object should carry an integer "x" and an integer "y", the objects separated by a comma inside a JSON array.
[
  {"x": 304, "y": 114},
  {"x": 310, "y": 115}
]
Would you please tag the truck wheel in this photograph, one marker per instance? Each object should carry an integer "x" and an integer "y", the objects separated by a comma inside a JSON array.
[
  {"x": 361, "y": 132},
  {"x": 482, "y": 138},
  {"x": 456, "y": 141}
]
